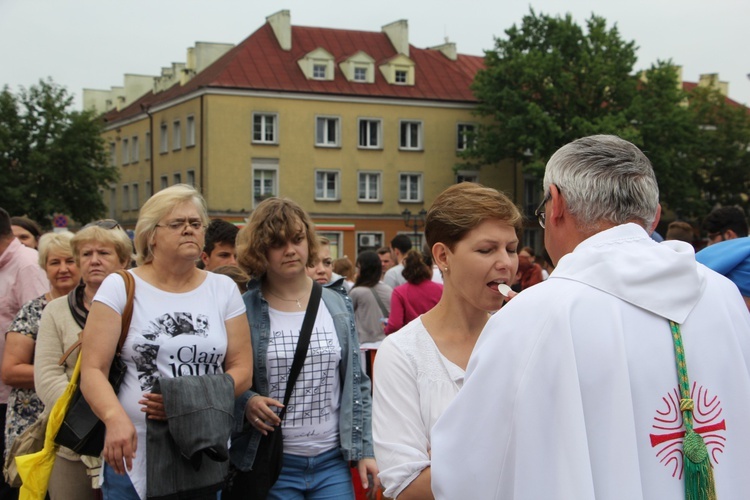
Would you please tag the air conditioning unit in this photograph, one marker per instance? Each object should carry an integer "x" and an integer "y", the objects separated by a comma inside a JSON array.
[{"x": 369, "y": 240}]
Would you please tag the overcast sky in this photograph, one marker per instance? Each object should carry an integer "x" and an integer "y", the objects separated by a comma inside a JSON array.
[{"x": 92, "y": 43}]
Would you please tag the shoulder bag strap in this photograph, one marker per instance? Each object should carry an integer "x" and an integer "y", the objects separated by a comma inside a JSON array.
[
  {"x": 127, "y": 315},
  {"x": 303, "y": 343},
  {"x": 383, "y": 309}
]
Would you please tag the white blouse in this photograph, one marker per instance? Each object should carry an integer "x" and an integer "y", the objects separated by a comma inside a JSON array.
[{"x": 413, "y": 384}]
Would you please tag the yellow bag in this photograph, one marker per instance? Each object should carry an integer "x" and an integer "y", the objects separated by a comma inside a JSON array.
[{"x": 36, "y": 469}]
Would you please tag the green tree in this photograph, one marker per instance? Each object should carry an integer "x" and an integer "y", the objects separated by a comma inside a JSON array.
[
  {"x": 721, "y": 149},
  {"x": 52, "y": 158},
  {"x": 549, "y": 82}
]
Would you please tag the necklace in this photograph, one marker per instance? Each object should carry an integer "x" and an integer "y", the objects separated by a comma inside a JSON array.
[{"x": 299, "y": 304}]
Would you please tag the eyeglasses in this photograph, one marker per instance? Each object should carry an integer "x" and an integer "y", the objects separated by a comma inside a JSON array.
[
  {"x": 541, "y": 215},
  {"x": 179, "y": 225},
  {"x": 104, "y": 224}
]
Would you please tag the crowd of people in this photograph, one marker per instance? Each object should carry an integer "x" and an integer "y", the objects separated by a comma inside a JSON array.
[{"x": 607, "y": 366}]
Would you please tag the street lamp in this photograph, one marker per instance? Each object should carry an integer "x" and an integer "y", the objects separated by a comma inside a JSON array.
[{"x": 414, "y": 221}]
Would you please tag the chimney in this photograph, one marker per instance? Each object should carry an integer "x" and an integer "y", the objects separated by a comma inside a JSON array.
[
  {"x": 711, "y": 80},
  {"x": 398, "y": 34},
  {"x": 448, "y": 49},
  {"x": 281, "y": 23}
]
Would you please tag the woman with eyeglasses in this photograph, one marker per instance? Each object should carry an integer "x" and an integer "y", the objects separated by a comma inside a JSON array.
[
  {"x": 100, "y": 248},
  {"x": 327, "y": 427},
  {"x": 188, "y": 335},
  {"x": 473, "y": 233},
  {"x": 24, "y": 406}
]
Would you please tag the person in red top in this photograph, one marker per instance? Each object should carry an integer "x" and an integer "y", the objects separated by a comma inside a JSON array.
[
  {"x": 417, "y": 296},
  {"x": 529, "y": 273}
]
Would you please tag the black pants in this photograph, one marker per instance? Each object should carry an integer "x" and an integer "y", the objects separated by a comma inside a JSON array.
[{"x": 6, "y": 492}]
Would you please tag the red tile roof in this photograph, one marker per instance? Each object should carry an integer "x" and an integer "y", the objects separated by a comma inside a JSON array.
[
  {"x": 259, "y": 63},
  {"x": 689, "y": 86}
]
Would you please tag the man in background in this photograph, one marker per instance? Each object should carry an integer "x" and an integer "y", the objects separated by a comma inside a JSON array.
[
  {"x": 400, "y": 245},
  {"x": 386, "y": 259},
  {"x": 725, "y": 223},
  {"x": 219, "y": 245}
]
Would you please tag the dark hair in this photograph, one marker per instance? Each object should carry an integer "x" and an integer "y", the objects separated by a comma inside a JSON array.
[
  {"x": 5, "y": 229},
  {"x": 385, "y": 250},
  {"x": 415, "y": 270},
  {"x": 27, "y": 224},
  {"x": 370, "y": 269},
  {"x": 219, "y": 231},
  {"x": 680, "y": 230},
  {"x": 402, "y": 243},
  {"x": 725, "y": 218}
]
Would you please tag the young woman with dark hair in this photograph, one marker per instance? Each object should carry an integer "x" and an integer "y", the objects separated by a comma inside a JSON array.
[{"x": 371, "y": 298}]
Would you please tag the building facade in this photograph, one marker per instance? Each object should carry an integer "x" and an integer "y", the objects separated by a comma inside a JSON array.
[{"x": 357, "y": 127}]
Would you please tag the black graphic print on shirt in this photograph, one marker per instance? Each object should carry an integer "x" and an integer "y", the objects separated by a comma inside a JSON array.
[{"x": 185, "y": 356}]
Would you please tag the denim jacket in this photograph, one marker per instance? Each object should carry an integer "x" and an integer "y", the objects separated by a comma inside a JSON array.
[{"x": 355, "y": 416}]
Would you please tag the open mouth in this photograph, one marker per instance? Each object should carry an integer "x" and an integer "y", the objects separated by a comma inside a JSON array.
[{"x": 499, "y": 286}]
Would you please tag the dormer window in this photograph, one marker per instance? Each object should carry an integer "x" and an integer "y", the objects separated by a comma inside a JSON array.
[
  {"x": 319, "y": 71},
  {"x": 398, "y": 70},
  {"x": 317, "y": 65},
  {"x": 360, "y": 74}
]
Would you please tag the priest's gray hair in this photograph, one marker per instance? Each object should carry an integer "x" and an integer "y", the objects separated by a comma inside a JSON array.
[{"x": 604, "y": 178}]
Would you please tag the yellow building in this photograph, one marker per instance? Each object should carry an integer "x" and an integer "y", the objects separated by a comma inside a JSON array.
[{"x": 357, "y": 127}]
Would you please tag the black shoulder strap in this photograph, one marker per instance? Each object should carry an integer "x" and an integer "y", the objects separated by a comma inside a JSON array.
[
  {"x": 303, "y": 343},
  {"x": 383, "y": 309}
]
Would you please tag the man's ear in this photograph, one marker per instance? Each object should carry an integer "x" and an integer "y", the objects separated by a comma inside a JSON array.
[
  {"x": 204, "y": 258},
  {"x": 730, "y": 235},
  {"x": 657, "y": 218},
  {"x": 556, "y": 205}
]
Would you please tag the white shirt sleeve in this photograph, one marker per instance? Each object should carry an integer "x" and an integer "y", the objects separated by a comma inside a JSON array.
[{"x": 400, "y": 438}]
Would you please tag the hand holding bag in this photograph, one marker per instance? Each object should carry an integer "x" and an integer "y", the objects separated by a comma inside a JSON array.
[{"x": 81, "y": 429}]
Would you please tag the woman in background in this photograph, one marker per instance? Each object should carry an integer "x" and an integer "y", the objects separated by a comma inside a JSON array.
[
  {"x": 26, "y": 231},
  {"x": 417, "y": 296},
  {"x": 24, "y": 406},
  {"x": 473, "y": 233},
  {"x": 100, "y": 248},
  {"x": 371, "y": 298}
]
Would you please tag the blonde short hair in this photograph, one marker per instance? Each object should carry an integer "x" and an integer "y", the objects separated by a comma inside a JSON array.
[
  {"x": 116, "y": 237},
  {"x": 273, "y": 223},
  {"x": 54, "y": 242},
  {"x": 155, "y": 209}
]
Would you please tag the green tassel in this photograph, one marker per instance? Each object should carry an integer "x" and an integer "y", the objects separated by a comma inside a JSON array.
[{"x": 699, "y": 475}]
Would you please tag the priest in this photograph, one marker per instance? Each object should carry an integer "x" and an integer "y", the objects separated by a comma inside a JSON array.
[{"x": 626, "y": 374}]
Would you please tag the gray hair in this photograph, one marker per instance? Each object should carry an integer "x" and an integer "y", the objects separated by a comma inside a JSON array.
[{"x": 604, "y": 178}]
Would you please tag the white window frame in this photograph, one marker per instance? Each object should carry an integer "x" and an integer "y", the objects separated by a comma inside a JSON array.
[
  {"x": 190, "y": 178},
  {"x": 363, "y": 196},
  {"x": 358, "y": 71},
  {"x": 467, "y": 176},
  {"x": 136, "y": 153},
  {"x": 177, "y": 178},
  {"x": 326, "y": 141},
  {"x": 326, "y": 194},
  {"x": 405, "y": 137},
  {"x": 400, "y": 76},
  {"x": 336, "y": 242},
  {"x": 163, "y": 182},
  {"x": 125, "y": 151},
  {"x": 112, "y": 202},
  {"x": 136, "y": 196},
  {"x": 462, "y": 141},
  {"x": 377, "y": 123},
  {"x": 148, "y": 189},
  {"x": 125, "y": 198},
  {"x": 265, "y": 120},
  {"x": 112, "y": 154},
  {"x": 163, "y": 139},
  {"x": 316, "y": 66},
  {"x": 263, "y": 171},
  {"x": 411, "y": 197},
  {"x": 190, "y": 131},
  {"x": 378, "y": 235},
  {"x": 176, "y": 135}
]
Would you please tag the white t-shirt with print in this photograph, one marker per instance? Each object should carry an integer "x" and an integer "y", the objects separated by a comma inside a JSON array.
[
  {"x": 311, "y": 423},
  {"x": 171, "y": 334}
]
